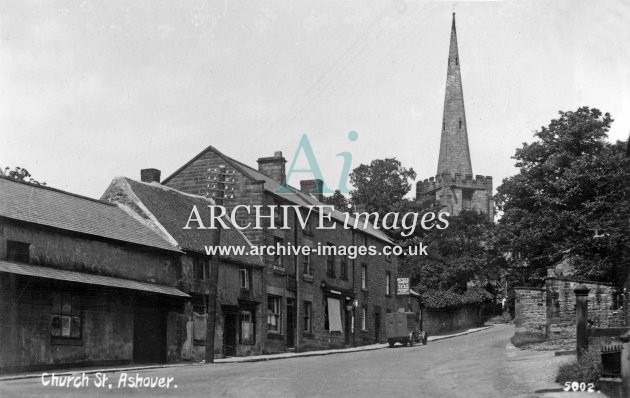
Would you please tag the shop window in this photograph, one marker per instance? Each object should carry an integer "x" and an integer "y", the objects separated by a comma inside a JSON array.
[
  {"x": 326, "y": 322},
  {"x": 247, "y": 332},
  {"x": 273, "y": 314},
  {"x": 388, "y": 282},
  {"x": 364, "y": 276},
  {"x": 201, "y": 268},
  {"x": 18, "y": 251},
  {"x": 244, "y": 278},
  {"x": 343, "y": 268},
  {"x": 307, "y": 316},
  {"x": 66, "y": 322}
]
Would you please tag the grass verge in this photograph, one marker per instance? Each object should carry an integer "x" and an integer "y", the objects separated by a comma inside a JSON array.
[{"x": 521, "y": 339}]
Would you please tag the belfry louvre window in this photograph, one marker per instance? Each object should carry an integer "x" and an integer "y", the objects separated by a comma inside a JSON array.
[
  {"x": 467, "y": 196},
  {"x": 66, "y": 319}
]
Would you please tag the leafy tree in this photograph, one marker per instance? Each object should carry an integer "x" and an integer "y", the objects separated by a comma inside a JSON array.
[
  {"x": 338, "y": 200},
  {"x": 381, "y": 185},
  {"x": 20, "y": 174},
  {"x": 570, "y": 198},
  {"x": 457, "y": 255}
]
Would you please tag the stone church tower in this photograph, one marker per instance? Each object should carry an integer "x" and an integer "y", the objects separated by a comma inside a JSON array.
[{"x": 454, "y": 186}]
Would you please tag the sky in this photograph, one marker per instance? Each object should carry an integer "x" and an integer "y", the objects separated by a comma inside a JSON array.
[{"x": 96, "y": 89}]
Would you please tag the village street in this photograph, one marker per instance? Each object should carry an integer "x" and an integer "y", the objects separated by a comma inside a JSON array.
[{"x": 481, "y": 364}]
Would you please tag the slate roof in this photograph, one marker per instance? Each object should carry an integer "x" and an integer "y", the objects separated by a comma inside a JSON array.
[
  {"x": 59, "y": 209},
  {"x": 172, "y": 209},
  {"x": 270, "y": 185}
]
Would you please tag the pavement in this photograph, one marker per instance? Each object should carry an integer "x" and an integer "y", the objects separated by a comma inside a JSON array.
[
  {"x": 476, "y": 363},
  {"x": 252, "y": 358}
]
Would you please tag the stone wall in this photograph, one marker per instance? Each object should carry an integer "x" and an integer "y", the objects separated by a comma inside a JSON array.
[
  {"x": 551, "y": 310},
  {"x": 530, "y": 310},
  {"x": 560, "y": 300},
  {"x": 441, "y": 322}
]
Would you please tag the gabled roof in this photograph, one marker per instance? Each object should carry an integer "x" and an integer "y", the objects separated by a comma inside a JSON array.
[
  {"x": 270, "y": 185},
  {"x": 170, "y": 209},
  {"x": 51, "y": 207}
]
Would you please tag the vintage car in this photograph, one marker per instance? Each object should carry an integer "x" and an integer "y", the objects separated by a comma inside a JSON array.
[{"x": 404, "y": 328}]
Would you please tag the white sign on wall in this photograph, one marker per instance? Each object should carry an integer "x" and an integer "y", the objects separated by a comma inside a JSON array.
[{"x": 403, "y": 285}]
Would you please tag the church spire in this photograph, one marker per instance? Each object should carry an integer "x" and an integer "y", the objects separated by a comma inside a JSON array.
[{"x": 454, "y": 152}]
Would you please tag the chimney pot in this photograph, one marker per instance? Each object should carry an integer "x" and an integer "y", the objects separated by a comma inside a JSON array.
[
  {"x": 150, "y": 175},
  {"x": 273, "y": 167},
  {"x": 312, "y": 187}
]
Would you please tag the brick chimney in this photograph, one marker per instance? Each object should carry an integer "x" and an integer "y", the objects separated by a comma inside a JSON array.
[
  {"x": 312, "y": 187},
  {"x": 150, "y": 175},
  {"x": 273, "y": 167}
]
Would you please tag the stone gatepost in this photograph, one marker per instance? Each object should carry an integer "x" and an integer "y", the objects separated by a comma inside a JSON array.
[
  {"x": 581, "y": 308},
  {"x": 625, "y": 364}
]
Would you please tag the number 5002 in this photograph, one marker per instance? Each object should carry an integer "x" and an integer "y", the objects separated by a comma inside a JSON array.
[{"x": 575, "y": 386}]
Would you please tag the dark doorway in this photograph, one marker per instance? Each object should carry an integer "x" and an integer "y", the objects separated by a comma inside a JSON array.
[
  {"x": 229, "y": 334},
  {"x": 149, "y": 332},
  {"x": 290, "y": 323},
  {"x": 377, "y": 327}
]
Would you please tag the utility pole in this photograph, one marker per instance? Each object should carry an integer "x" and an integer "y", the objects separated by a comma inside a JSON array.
[{"x": 213, "y": 277}]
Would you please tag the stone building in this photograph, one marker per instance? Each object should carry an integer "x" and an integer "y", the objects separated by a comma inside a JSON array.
[
  {"x": 82, "y": 282},
  {"x": 311, "y": 302},
  {"x": 454, "y": 185},
  {"x": 240, "y": 290}
]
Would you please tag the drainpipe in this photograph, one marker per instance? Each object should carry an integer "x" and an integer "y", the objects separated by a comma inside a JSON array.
[
  {"x": 354, "y": 277},
  {"x": 297, "y": 284},
  {"x": 213, "y": 279}
]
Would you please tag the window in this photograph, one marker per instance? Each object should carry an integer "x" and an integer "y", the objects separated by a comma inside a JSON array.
[
  {"x": 244, "y": 278},
  {"x": 307, "y": 316},
  {"x": 308, "y": 225},
  {"x": 306, "y": 263},
  {"x": 201, "y": 268},
  {"x": 330, "y": 261},
  {"x": 388, "y": 282},
  {"x": 460, "y": 123},
  {"x": 18, "y": 251},
  {"x": 278, "y": 213},
  {"x": 343, "y": 268},
  {"x": 247, "y": 330},
  {"x": 277, "y": 258},
  {"x": 66, "y": 316},
  {"x": 388, "y": 256},
  {"x": 273, "y": 314},
  {"x": 363, "y": 276},
  {"x": 443, "y": 124},
  {"x": 364, "y": 318}
]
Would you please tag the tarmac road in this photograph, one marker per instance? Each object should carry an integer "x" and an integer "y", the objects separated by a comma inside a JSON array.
[{"x": 481, "y": 364}]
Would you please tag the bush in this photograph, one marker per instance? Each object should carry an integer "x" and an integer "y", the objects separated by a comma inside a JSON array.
[
  {"x": 521, "y": 339},
  {"x": 586, "y": 369},
  {"x": 444, "y": 299}
]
